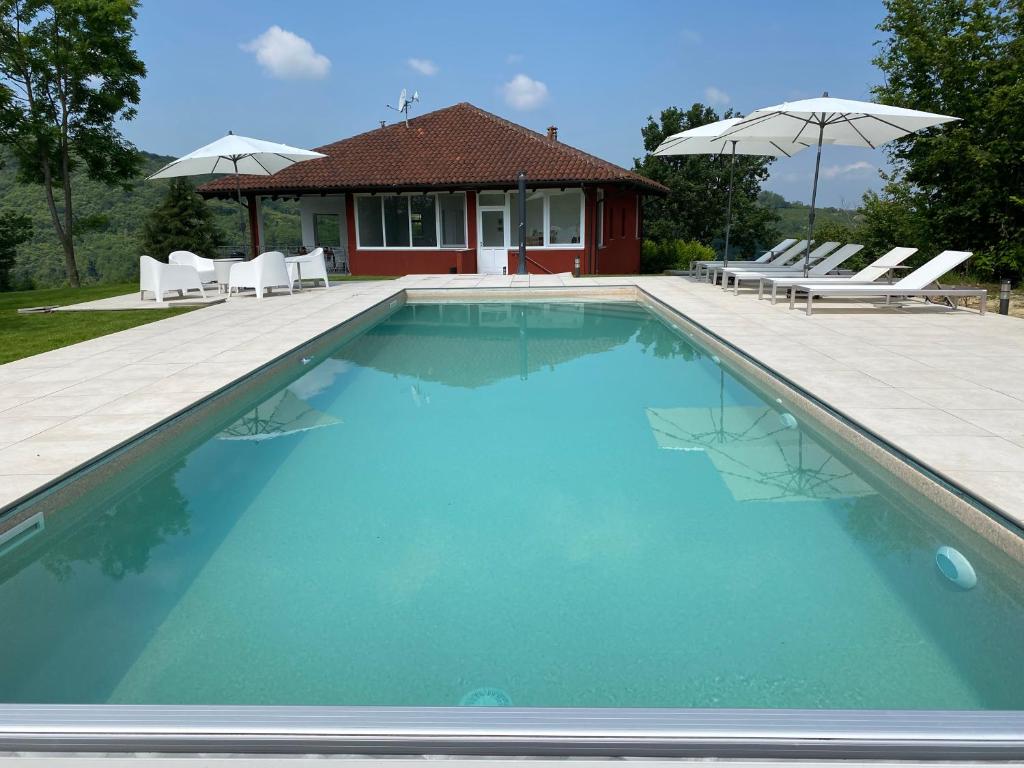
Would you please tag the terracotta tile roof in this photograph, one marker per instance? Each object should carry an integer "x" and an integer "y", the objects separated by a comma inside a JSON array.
[{"x": 459, "y": 146}]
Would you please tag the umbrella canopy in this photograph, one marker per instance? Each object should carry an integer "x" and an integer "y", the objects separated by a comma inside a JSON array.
[
  {"x": 832, "y": 121},
  {"x": 709, "y": 140},
  {"x": 237, "y": 155}
]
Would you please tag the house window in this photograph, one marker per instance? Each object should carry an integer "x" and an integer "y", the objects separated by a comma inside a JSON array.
[
  {"x": 396, "y": 221},
  {"x": 554, "y": 218},
  {"x": 490, "y": 198},
  {"x": 370, "y": 222},
  {"x": 423, "y": 215},
  {"x": 534, "y": 218},
  {"x": 600, "y": 218},
  {"x": 564, "y": 218},
  {"x": 610, "y": 218},
  {"x": 411, "y": 221},
  {"x": 453, "y": 220}
]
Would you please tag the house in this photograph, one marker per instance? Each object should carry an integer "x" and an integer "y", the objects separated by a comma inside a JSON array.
[{"x": 438, "y": 195}]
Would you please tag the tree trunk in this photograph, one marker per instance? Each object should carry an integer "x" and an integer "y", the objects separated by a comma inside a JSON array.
[
  {"x": 70, "y": 265},
  {"x": 63, "y": 234}
]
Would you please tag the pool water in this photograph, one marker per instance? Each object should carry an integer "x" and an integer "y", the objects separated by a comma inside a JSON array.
[{"x": 560, "y": 505}]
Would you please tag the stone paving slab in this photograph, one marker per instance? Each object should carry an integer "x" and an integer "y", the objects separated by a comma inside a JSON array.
[{"x": 946, "y": 387}]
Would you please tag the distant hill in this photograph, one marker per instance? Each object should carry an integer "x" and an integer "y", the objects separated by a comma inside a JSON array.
[
  {"x": 109, "y": 251},
  {"x": 793, "y": 215}
]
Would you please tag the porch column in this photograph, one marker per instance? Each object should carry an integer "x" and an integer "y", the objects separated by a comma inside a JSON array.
[{"x": 252, "y": 202}]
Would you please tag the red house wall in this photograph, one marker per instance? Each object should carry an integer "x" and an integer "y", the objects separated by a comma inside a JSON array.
[{"x": 620, "y": 254}]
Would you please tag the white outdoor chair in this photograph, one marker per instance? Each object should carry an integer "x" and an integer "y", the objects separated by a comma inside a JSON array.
[
  {"x": 159, "y": 278},
  {"x": 833, "y": 261},
  {"x": 266, "y": 271},
  {"x": 203, "y": 266},
  {"x": 876, "y": 270},
  {"x": 914, "y": 284},
  {"x": 313, "y": 269},
  {"x": 787, "y": 256},
  {"x": 697, "y": 267}
]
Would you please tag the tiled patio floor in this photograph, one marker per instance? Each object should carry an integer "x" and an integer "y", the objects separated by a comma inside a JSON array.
[{"x": 945, "y": 387}]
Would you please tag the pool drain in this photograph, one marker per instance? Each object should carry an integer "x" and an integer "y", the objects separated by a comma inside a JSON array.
[
  {"x": 955, "y": 567},
  {"x": 486, "y": 697}
]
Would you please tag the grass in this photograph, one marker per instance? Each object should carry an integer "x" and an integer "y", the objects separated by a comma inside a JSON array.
[{"x": 25, "y": 335}]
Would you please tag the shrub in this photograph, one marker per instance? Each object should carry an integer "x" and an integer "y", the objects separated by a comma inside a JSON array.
[{"x": 657, "y": 256}]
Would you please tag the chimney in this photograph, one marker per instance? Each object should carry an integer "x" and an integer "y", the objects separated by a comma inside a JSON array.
[{"x": 553, "y": 132}]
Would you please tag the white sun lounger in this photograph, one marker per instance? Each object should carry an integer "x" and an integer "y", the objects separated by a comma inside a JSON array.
[
  {"x": 785, "y": 257},
  {"x": 914, "y": 284},
  {"x": 764, "y": 258},
  {"x": 795, "y": 267},
  {"x": 833, "y": 261},
  {"x": 872, "y": 272}
]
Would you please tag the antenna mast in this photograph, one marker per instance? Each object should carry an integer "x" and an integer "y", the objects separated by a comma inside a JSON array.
[{"x": 404, "y": 102}]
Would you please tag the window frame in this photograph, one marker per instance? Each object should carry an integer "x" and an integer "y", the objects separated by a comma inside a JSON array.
[
  {"x": 547, "y": 192},
  {"x": 437, "y": 222}
]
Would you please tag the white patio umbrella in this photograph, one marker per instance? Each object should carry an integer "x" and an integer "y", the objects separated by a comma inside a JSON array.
[
  {"x": 237, "y": 155},
  {"x": 833, "y": 121},
  {"x": 708, "y": 140}
]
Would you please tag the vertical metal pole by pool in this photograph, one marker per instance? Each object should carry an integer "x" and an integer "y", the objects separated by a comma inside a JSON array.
[
  {"x": 728, "y": 210},
  {"x": 521, "y": 178},
  {"x": 814, "y": 195}
]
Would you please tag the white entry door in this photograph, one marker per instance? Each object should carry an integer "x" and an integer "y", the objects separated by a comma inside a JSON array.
[{"x": 491, "y": 252}]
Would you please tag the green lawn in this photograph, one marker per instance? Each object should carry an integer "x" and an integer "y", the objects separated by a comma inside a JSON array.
[{"x": 24, "y": 335}]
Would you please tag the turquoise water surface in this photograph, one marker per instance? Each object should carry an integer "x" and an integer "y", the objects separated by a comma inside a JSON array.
[{"x": 526, "y": 504}]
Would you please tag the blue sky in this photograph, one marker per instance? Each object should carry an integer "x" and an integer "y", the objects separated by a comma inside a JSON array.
[{"x": 594, "y": 69}]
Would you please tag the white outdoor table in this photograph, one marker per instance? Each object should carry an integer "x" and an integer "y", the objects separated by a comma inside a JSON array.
[
  {"x": 298, "y": 261},
  {"x": 222, "y": 270}
]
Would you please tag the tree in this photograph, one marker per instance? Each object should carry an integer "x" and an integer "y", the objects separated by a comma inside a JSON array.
[
  {"x": 695, "y": 209},
  {"x": 15, "y": 229},
  {"x": 955, "y": 185},
  {"x": 182, "y": 222},
  {"x": 67, "y": 75}
]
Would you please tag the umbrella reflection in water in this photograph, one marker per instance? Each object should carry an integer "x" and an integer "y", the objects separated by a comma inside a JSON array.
[{"x": 759, "y": 453}]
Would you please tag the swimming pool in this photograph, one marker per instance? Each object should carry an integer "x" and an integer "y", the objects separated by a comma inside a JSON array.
[{"x": 507, "y": 504}]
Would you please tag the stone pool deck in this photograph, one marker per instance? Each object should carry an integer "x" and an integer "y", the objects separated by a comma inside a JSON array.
[{"x": 946, "y": 387}]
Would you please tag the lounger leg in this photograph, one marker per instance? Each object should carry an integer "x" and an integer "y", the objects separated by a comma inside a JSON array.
[
  {"x": 775, "y": 292},
  {"x": 736, "y": 285},
  {"x": 792, "y": 297},
  {"x": 984, "y": 301},
  {"x": 810, "y": 301},
  {"x": 760, "y": 289}
]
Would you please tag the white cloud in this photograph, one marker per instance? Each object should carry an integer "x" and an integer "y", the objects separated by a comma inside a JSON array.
[
  {"x": 514, "y": 58},
  {"x": 424, "y": 66},
  {"x": 716, "y": 96},
  {"x": 287, "y": 56},
  {"x": 860, "y": 168},
  {"x": 523, "y": 92}
]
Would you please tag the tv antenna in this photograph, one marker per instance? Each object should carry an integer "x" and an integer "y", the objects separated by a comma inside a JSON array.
[{"x": 404, "y": 102}]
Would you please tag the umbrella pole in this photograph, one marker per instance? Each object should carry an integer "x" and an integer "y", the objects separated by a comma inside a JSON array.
[
  {"x": 728, "y": 210},
  {"x": 814, "y": 195},
  {"x": 241, "y": 212}
]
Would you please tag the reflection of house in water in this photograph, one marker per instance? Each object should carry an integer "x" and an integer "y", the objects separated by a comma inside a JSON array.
[{"x": 473, "y": 345}]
